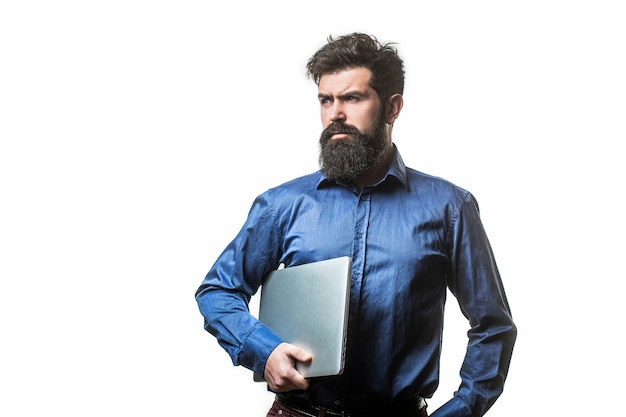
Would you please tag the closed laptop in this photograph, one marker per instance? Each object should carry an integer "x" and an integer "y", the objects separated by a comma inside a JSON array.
[{"x": 307, "y": 305}]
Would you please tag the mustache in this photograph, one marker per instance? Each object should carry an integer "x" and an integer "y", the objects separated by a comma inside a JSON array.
[{"x": 339, "y": 127}]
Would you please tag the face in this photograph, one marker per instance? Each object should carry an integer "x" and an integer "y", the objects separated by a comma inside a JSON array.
[{"x": 354, "y": 136}]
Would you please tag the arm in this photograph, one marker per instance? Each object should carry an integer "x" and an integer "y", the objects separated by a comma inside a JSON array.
[
  {"x": 474, "y": 280},
  {"x": 237, "y": 274}
]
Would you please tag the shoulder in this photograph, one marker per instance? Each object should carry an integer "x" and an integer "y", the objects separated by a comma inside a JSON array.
[
  {"x": 289, "y": 190},
  {"x": 422, "y": 183}
]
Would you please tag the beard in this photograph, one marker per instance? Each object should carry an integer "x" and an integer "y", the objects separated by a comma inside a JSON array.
[{"x": 345, "y": 159}]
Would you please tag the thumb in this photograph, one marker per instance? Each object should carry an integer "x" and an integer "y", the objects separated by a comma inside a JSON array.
[{"x": 301, "y": 355}]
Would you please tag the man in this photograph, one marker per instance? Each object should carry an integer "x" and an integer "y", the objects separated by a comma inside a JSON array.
[{"x": 410, "y": 236}]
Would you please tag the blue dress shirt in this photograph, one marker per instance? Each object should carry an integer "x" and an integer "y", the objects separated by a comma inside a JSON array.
[{"x": 410, "y": 237}]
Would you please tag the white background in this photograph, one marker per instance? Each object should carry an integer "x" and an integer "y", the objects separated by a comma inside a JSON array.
[{"x": 135, "y": 135}]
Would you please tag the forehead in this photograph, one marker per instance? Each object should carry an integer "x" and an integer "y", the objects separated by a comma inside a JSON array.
[{"x": 340, "y": 82}]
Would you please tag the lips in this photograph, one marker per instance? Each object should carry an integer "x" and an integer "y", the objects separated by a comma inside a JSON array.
[{"x": 335, "y": 130}]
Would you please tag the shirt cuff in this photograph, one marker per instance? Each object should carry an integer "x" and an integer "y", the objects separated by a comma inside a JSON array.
[
  {"x": 257, "y": 348},
  {"x": 456, "y": 407}
]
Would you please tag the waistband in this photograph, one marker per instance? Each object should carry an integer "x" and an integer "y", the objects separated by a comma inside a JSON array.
[{"x": 408, "y": 407}]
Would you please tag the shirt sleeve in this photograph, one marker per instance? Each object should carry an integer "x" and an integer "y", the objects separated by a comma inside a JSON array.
[
  {"x": 224, "y": 295},
  {"x": 474, "y": 279}
]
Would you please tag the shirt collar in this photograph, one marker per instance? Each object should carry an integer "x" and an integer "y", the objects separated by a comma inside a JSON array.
[{"x": 396, "y": 170}]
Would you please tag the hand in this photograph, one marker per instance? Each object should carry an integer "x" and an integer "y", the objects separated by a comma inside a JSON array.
[{"x": 280, "y": 370}]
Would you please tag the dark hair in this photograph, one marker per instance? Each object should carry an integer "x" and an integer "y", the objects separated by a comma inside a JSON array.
[{"x": 360, "y": 50}]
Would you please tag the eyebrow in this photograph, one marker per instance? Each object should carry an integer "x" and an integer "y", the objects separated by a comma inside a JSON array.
[{"x": 345, "y": 95}]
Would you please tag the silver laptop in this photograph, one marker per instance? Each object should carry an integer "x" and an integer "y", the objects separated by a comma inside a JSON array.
[{"x": 307, "y": 305}]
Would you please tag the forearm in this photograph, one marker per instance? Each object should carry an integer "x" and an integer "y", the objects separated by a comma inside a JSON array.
[
  {"x": 483, "y": 373},
  {"x": 226, "y": 316}
]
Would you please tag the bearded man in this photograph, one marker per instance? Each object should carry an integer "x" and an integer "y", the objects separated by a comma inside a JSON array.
[{"x": 411, "y": 237}]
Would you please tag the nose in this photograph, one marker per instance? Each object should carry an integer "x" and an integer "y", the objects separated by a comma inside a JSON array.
[{"x": 337, "y": 114}]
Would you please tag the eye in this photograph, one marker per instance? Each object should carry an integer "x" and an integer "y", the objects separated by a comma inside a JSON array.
[{"x": 324, "y": 100}]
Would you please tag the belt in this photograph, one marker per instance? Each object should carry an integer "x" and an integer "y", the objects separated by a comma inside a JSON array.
[{"x": 408, "y": 407}]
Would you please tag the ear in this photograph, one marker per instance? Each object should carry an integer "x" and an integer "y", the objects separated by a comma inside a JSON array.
[{"x": 394, "y": 105}]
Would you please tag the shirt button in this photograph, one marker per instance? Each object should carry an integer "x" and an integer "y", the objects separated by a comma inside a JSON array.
[{"x": 337, "y": 402}]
